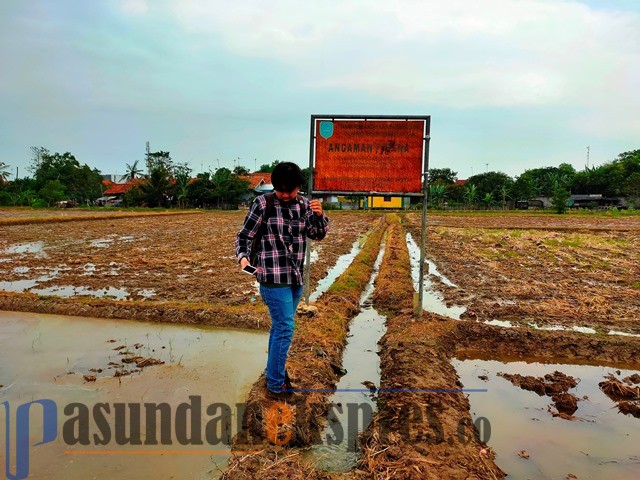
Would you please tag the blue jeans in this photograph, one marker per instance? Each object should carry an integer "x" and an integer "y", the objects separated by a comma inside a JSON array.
[{"x": 282, "y": 303}]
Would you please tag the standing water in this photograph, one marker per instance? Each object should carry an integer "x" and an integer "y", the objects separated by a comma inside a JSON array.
[
  {"x": 353, "y": 404},
  {"x": 48, "y": 357},
  {"x": 432, "y": 300},
  {"x": 598, "y": 443}
]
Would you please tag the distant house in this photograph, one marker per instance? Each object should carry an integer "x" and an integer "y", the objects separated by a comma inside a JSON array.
[
  {"x": 119, "y": 189},
  {"x": 115, "y": 191},
  {"x": 259, "y": 182},
  {"x": 595, "y": 201},
  {"x": 386, "y": 201}
]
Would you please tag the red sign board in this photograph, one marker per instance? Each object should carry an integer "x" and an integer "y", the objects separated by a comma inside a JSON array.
[{"x": 373, "y": 155}]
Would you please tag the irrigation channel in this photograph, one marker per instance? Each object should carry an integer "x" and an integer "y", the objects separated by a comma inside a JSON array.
[
  {"x": 48, "y": 356},
  {"x": 339, "y": 450}
]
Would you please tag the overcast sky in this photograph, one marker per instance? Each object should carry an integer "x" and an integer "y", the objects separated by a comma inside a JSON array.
[{"x": 514, "y": 84}]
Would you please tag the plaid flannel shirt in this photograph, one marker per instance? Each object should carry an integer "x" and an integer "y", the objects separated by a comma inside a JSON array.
[{"x": 283, "y": 244}]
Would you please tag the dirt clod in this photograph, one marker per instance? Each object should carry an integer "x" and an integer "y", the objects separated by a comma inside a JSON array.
[
  {"x": 554, "y": 385},
  {"x": 635, "y": 378}
]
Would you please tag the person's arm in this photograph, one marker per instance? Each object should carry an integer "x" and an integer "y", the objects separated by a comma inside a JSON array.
[
  {"x": 316, "y": 220},
  {"x": 250, "y": 227}
]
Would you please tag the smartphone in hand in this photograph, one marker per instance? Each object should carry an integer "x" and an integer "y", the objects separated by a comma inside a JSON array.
[{"x": 249, "y": 269}]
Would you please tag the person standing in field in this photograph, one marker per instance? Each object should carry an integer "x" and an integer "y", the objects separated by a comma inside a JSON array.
[{"x": 280, "y": 223}]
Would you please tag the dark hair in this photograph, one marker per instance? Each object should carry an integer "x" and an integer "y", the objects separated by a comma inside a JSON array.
[{"x": 286, "y": 177}]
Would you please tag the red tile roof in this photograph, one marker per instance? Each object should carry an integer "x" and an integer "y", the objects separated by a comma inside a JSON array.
[
  {"x": 122, "y": 188},
  {"x": 257, "y": 178}
]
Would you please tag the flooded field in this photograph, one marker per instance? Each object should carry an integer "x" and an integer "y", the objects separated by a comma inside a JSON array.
[
  {"x": 558, "y": 290},
  {"x": 532, "y": 441},
  {"x": 187, "y": 258},
  {"x": 82, "y": 360}
]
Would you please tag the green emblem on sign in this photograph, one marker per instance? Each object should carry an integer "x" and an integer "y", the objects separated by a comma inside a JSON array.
[{"x": 326, "y": 129}]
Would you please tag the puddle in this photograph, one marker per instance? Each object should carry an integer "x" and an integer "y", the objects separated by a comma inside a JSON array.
[
  {"x": 101, "y": 242},
  {"x": 88, "y": 268},
  {"x": 67, "y": 291},
  {"x": 362, "y": 363},
  {"x": 555, "y": 328},
  {"x": 432, "y": 300},
  {"x": 500, "y": 323},
  {"x": 598, "y": 444},
  {"x": 21, "y": 286},
  {"x": 107, "y": 241},
  {"x": 37, "y": 352},
  {"x": 338, "y": 269},
  {"x": 623, "y": 334},
  {"x": 36, "y": 248}
]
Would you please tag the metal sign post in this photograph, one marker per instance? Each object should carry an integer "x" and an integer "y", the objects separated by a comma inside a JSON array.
[
  {"x": 307, "y": 258},
  {"x": 423, "y": 238}
]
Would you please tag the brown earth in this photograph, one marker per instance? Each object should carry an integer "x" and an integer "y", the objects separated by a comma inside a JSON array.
[
  {"x": 555, "y": 385},
  {"x": 169, "y": 267},
  {"x": 543, "y": 270},
  {"x": 423, "y": 428},
  {"x": 567, "y": 270},
  {"x": 316, "y": 350}
]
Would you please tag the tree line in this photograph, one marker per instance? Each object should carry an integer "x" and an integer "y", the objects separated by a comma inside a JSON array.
[
  {"x": 617, "y": 178},
  {"x": 60, "y": 176}
]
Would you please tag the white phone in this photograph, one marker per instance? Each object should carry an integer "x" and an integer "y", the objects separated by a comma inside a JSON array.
[{"x": 249, "y": 269}]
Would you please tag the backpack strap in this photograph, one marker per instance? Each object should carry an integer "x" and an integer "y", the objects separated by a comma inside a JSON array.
[
  {"x": 269, "y": 208},
  {"x": 257, "y": 238}
]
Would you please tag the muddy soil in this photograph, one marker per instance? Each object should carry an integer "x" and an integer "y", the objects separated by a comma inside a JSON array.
[
  {"x": 138, "y": 264},
  {"x": 533, "y": 270},
  {"x": 423, "y": 428},
  {"x": 571, "y": 221},
  {"x": 313, "y": 365},
  {"x": 625, "y": 393},
  {"x": 555, "y": 385},
  {"x": 540, "y": 270}
]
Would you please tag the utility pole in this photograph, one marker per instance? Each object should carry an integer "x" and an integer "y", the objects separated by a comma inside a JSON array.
[
  {"x": 487, "y": 168},
  {"x": 587, "y": 156},
  {"x": 255, "y": 165}
]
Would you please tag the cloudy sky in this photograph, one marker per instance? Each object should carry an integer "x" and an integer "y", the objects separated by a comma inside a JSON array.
[{"x": 514, "y": 84}]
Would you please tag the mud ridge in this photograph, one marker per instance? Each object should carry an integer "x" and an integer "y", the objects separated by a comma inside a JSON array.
[
  {"x": 314, "y": 359},
  {"x": 423, "y": 428},
  {"x": 471, "y": 339},
  {"x": 252, "y": 317}
]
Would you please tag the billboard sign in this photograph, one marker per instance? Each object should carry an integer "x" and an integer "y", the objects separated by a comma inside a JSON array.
[{"x": 381, "y": 154}]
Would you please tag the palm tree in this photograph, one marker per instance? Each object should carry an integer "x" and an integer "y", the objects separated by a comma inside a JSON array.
[
  {"x": 436, "y": 194},
  {"x": 505, "y": 194},
  {"x": 488, "y": 200},
  {"x": 4, "y": 172},
  {"x": 470, "y": 194},
  {"x": 132, "y": 171}
]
